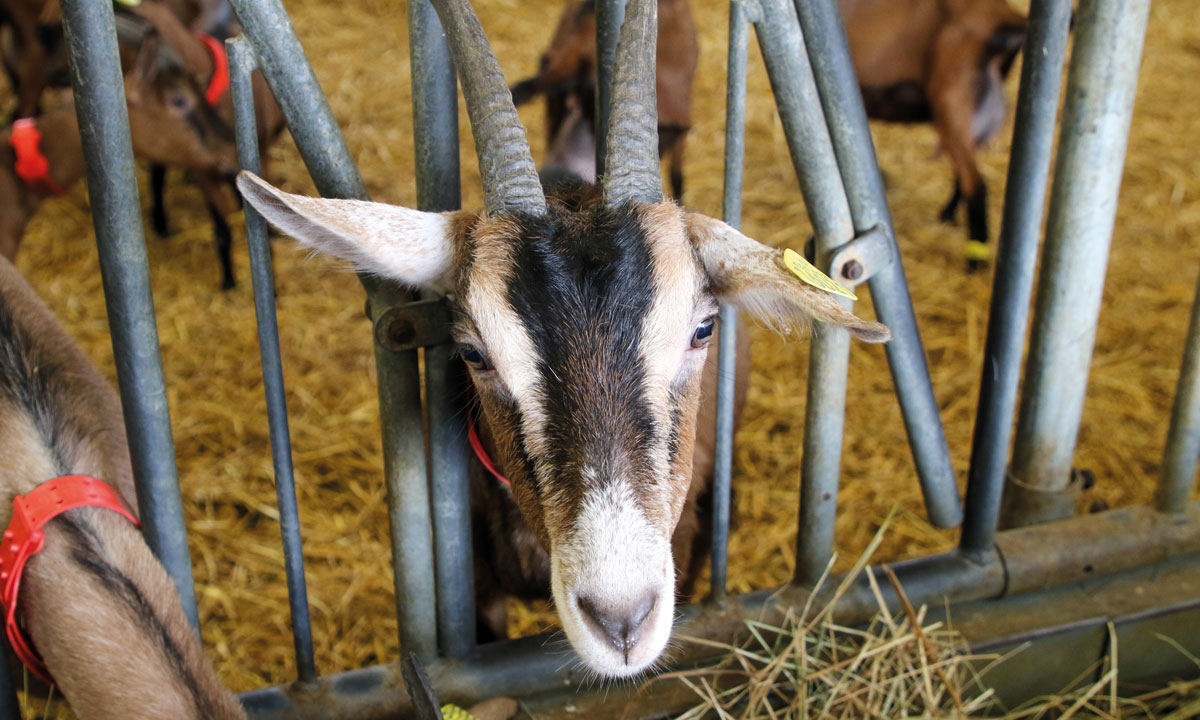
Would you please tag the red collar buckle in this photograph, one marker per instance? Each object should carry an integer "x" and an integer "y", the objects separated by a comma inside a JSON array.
[
  {"x": 220, "y": 78},
  {"x": 24, "y": 538},
  {"x": 32, "y": 166}
]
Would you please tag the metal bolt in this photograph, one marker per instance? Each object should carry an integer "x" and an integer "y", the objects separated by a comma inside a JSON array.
[
  {"x": 852, "y": 270},
  {"x": 400, "y": 332}
]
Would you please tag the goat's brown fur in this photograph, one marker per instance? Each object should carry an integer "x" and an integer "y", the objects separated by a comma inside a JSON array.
[
  {"x": 99, "y": 607},
  {"x": 939, "y": 61},
  {"x": 567, "y": 72}
]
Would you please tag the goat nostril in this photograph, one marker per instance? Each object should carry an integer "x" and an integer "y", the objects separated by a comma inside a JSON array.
[{"x": 620, "y": 623}]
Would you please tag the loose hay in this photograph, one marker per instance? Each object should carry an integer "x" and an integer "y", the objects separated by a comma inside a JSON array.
[{"x": 360, "y": 54}]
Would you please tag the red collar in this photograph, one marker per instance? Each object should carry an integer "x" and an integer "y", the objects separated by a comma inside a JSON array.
[
  {"x": 31, "y": 165},
  {"x": 220, "y": 78},
  {"x": 477, "y": 446},
  {"x": 24, "y": 538}
]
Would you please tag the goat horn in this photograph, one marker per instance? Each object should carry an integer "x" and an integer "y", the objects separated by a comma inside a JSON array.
[
  {"x": 631, "y": 165},
  {"x": 510, "y": 179}
]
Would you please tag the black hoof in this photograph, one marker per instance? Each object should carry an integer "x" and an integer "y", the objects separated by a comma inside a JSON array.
[
  {"x": 228, "y": 284},
  {"x": 948, "y": 216}
]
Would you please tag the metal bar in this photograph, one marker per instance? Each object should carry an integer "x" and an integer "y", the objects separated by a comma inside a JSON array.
[
  {"x": 324, "y": 151},
  {"x": 116, "y": 213},
  {"x": 829, "y": 53},
  {"x": 242, "y": 65},
  {"x": 435, "y": 139},
  {"x": 735, "y": 153},
  {"x": 1016, "y": 258},
  {"x": 609, "y": 16},
  {"x": 1035, "y": 558},
  {"x": 1083, "y": 205},
  {"x": 310, "y": 121},
  {"x": 1183, "y": 438},
  {"x": 812, "y": 154}
]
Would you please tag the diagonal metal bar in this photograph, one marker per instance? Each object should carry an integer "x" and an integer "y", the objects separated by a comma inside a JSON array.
[
  {"x": 825, "y": 39},
  {"x": 242, "y": 65}
]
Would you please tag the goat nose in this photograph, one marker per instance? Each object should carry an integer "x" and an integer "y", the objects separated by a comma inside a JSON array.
[{"x": 619, "y": 623}]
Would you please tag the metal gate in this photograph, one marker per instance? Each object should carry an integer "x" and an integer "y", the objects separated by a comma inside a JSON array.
[{"x": 812, "y": 78}]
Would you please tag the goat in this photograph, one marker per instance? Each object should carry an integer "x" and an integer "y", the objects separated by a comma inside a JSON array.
[
  {"x": 584, "y": 315},
  {"x": 198, "y": 57},
  {"x": 945, "y": 62},
  {"x": 169, "y": 123},
  {"x": 35, "y": 57},
  {"x": 567, "y": 77},
  {"x": 99, "y": 608}
]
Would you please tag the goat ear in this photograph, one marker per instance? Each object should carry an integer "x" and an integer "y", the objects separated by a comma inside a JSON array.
[
  {"x": 409, "y": 246},
  {"x": 752, "y": 276}
]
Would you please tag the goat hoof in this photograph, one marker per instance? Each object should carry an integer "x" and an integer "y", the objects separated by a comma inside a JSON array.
[
  {"x": 228, "y": 284},
  {"x": 948, "y": 217},
  {"x": 160, "y": 229}
]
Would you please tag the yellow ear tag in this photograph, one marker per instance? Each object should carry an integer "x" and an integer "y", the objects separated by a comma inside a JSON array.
[
  {"x": 454, "y": 712},
  {"x": 130, "y": 3},
  {"x": 809, "y": 273}
]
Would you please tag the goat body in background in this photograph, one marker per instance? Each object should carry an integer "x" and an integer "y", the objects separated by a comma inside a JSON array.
[
  {"x": 939, "y": 61},
  {"x": 584, "y": 315},
  {"x": 168, "y": 122},
  {"x": 100, "y": 609},
  {"x": 567, "y": 78}
]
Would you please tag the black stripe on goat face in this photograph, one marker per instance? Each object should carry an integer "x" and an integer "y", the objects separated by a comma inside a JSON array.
[{"x": 582, "y": 285}]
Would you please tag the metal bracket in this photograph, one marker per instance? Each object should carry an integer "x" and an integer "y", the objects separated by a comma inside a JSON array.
[
  {"x": 423, "y": 323},
  {"x": 863, "y": 257}
]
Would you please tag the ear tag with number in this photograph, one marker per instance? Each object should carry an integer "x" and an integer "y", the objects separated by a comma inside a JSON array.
[{"x": 809, "y": 273}]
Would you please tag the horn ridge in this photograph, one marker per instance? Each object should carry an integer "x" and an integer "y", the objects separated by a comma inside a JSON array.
[
  {"x": 510, "y": 179},
  {"x": 632, "y": 171}
]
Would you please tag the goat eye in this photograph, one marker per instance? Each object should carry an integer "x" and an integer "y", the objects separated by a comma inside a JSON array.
[
  {"x": 703, "y": 333},
  {"x": 179, "y": 101},
  {"x": 476, "y": 359}
]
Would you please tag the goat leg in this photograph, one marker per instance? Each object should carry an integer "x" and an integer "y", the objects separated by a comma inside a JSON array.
[
  {"x": 158, "y": 207},
  {"x": 950, "y": 210}
]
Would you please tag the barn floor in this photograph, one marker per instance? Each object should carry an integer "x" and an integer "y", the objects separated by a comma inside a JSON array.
[{"x": 360, "y": 53}]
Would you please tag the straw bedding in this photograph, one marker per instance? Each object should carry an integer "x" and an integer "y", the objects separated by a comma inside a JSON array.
[{"x": 360, "y": 53}]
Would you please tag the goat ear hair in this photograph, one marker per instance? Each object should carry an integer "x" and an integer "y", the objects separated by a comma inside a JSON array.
[
  {"x": 752, "y": 276},
  {"x": 409, "y": 246}
]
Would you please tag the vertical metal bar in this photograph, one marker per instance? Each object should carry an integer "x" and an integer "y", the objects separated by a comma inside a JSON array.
[
  {"x": 116, "y": 212},
  {"x": 328, "y": 160},
  {"x": 1183, "y": 439},
  {"x": 829, "y": 53},
  {"x": 735, "y": 154},
  {"x": 812, "y": 154},
  {"x": 435, "y": 139},
  {"x": 1016, "y": 258},
  {"x": 609, "y": 16},
  {"x": 242, "y": 65},
  {"x": 1083, "y": 207}
]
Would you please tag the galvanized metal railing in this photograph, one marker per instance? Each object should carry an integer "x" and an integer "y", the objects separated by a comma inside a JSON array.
[{"x": 812, "y": 77}]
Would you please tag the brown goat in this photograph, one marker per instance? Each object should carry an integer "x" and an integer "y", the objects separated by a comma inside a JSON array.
[
  {"x": 35, "y": 58},
  {"x": 169, "y": 123},
  {"x": 219, "y": 198},
  {"x": 940, "y": 61},
  {"x": 98, "y": 606},
  {"x": 584, "y": 316},
  {"x": 567, "y": 78}
]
